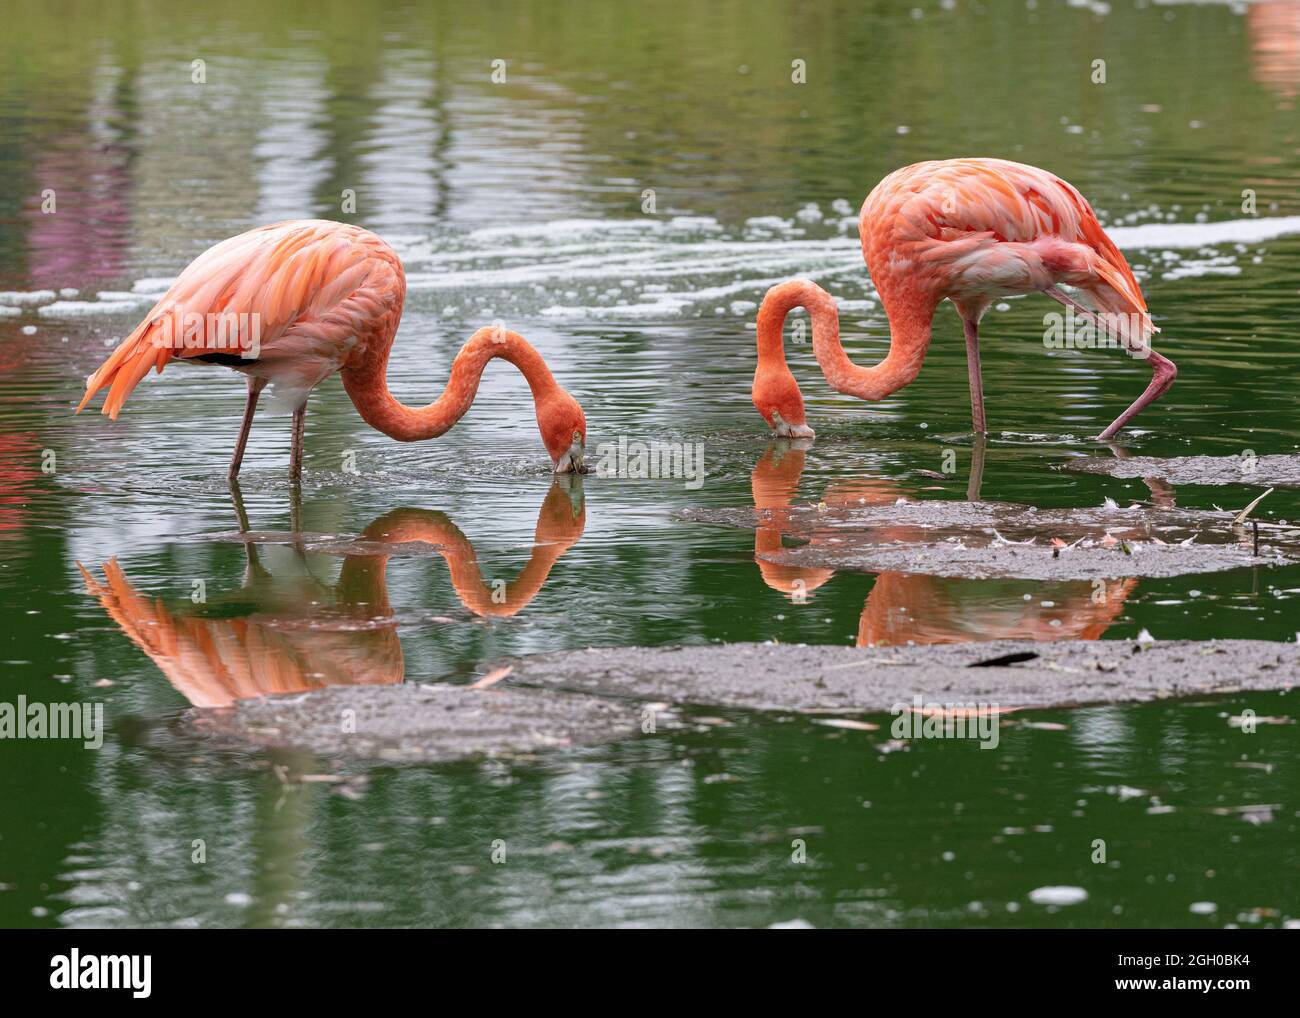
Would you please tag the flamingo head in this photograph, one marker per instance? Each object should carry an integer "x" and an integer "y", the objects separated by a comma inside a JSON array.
[
  {"x": 777, "y": 398},
  {"x": 564, "y": 431}
]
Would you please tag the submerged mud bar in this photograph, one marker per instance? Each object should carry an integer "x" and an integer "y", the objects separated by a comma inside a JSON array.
[{"x": 552, "y": 702}]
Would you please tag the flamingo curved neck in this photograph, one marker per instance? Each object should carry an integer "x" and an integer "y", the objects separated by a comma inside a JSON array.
[
  {"x": 909, "y": 336},
  {"x": 367, "y": 385}
]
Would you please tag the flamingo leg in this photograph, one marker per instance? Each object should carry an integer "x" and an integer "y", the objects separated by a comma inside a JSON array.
[
  {"x": 1163, "y": 370},
  {"x": 295, "y": 450},
  {"x": 295, "y": 519},
  {"x": 255, "y": 386},
  {"x": 976, "y": 468},
  {"x": 976, "y": 379}
]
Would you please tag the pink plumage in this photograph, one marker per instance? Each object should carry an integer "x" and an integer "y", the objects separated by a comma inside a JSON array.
[
  {"x": 968, "y": 231},
  {"x": 291, "y": 304}
]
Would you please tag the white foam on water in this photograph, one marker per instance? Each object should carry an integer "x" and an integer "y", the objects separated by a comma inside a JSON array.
[
  {"x": 569, "y": 229},
  {"x": 1185, "y": 235},
  {"x": 124, "y": 296},
  {"x": 153, "y": 285},
  {"x": 85, "y": 308},
  {"x": 639, "y": 254},
  {"x": 640, "y": 263},
  {"x": 667, "y": 303},
  {"x": 1058, "y": 895},
  {"x": 26, "y": 298},
  {"x": 1225, "y": 265},
  {"x": 648, "y": 267},
  {"x": 8, "y": 312}
]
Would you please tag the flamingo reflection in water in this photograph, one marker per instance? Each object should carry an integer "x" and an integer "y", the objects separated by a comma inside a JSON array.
[
  {"x": 916, "y": 608},
  {"x": 1274, "y": 31},
  {"x": 304, "y": 634}
]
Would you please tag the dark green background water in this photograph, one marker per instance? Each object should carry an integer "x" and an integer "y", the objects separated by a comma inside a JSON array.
[{"x": 522, "y": 201}]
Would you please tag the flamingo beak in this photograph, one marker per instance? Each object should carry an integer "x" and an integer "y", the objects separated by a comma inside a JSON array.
[
  {"x": 573, "y": 461},
  {"x": 784, "y": 429}
]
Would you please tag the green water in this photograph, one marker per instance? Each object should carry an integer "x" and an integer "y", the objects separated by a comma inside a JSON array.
[{"x": 522, "y": 201}]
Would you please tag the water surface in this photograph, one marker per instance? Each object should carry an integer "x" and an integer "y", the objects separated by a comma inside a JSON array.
[{"x": 523, "y": 202}]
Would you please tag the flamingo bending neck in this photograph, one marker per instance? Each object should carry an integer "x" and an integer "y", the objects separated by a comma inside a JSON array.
[
  {"x": 776, "y": 393},
  {"x": 366, "y": 383}
]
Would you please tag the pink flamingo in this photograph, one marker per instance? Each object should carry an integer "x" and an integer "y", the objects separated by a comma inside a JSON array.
[
  {"x": 295, "y": 302},
  {"x": 969, "y": 231}
]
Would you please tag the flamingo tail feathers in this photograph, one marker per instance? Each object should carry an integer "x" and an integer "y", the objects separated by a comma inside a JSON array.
[
  {"x": 124, "y": 368},
  {"x": 1118, "y": 292}
]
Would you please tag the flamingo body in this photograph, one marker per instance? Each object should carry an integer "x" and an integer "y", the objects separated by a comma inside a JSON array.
[
  {"x": 292, "y": 303},
  {"x": 969, "y": 231},
  {"x": 973, "y": 230}
]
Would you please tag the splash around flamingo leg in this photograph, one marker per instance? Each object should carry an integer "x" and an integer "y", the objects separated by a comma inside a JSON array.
[
  {"x": 255, "y": 386},
  {"x": 972, "y": 331}
]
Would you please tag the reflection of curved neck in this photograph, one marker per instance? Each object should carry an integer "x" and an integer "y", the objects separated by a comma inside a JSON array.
[
  {"x": 559, "y": 526},
  {"x": 774, "y": 482},
  {"x": 291, "y": 643},
  {"x": 909, "y": 335},
  {"x": 776, "y": 477},
  {"x": 366, "y": 383}
]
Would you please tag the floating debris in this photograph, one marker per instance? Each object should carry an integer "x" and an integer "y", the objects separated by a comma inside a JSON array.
[
  {"x": 1241, "y": 516},
  {"x": 491, "y": 678},
  {"x": 857, "y": 726},
  {"x": 1256, "y": 814},
  {"x": 1005, "y": 659},
  {"x": 1058, "y": 895}
]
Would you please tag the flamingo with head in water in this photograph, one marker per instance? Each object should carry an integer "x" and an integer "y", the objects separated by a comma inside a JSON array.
[
  {"x": 295, "y": 302},
  {"x": 968, "y": 231}
]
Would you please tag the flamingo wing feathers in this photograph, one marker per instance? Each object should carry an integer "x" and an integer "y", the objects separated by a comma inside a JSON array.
[
  {"x": 286, "y": 293},
  {"x": 987, "y": 226}
]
